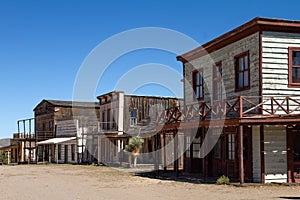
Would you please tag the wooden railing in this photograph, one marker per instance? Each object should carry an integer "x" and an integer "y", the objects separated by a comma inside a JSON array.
[{"x": 238, "y": 107}]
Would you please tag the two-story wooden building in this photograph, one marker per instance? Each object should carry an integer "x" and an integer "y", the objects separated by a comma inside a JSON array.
[
  {"x": 242, "y": 104},
  {"x": 60, "y": 128},
  {"x": 123, "y": 116}
]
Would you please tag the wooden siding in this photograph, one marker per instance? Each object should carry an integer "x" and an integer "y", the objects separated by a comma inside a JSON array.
[
  {"x": 226, "y": 56},
  {"x": 275, "y": 63},
  {"x": 62, "y": 160},
  {"x": 275, "y": 154},
  {"x": 256, "y": 163}
]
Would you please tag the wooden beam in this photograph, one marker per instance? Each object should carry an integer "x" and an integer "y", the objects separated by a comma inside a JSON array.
[{"x": 164, "y": 152}]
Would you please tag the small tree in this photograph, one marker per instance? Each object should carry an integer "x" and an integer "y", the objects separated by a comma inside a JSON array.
[{"x": 133, "y": 148}]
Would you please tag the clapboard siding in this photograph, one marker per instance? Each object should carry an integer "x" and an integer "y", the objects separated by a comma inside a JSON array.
[
  {"x": 275, "y": 153},
  {"x": 275, "y": 63},
  {"x": 226, "y": 56}
]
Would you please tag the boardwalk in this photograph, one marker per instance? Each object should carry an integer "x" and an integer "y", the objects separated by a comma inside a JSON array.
[{"x": 90, "y": 182}]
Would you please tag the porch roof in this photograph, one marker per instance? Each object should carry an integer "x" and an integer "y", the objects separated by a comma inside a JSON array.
[{"x": 56, "y": 140}]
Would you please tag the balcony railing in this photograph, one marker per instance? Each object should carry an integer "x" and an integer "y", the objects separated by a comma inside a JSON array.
[
  {"x": 108, "y": 126},
  {"x": 238, "y": 107},
  {"x": 44, "y": 135}
]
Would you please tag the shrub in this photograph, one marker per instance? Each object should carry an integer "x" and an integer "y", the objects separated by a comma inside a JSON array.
[{"x": 223, "y": 180}]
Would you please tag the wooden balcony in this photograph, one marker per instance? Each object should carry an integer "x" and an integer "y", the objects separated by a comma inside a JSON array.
[
  {"x": 240, "y": 108},
  {"x": 44, "y": 135}
]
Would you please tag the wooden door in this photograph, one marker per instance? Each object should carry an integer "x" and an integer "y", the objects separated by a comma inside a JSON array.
[
  {"x": 293, "y": 155},
  {"x": 247, "y": 152},
  {"x": 66, "y": 153}
]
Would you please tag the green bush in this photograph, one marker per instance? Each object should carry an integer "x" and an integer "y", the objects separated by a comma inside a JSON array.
[
  {"x": 223, "y": 180},
  {"x": 135, "y": 143}
]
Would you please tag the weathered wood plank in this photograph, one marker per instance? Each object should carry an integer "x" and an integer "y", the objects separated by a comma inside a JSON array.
[{"x": 274, "y": 60}]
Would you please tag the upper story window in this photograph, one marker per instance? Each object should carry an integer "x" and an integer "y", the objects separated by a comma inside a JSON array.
[
  {"x": 133, "y": 117},
  {"x": 198, "y": 84},
  {"x": 294, "y": 66},
  {"x": 242, "y": 71}
]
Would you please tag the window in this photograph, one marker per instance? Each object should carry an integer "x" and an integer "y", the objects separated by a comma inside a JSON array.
[
  {"x": 103, "y": 121},
  {"x": 196, "y": 147},
  {"x": 108, "y": 119},
  {"x": 198, "y": 84},
  {"x": 217, "y": 81},
  {"x": 59, "y": 151},
  {"x": 188, "y": 146},
  {"x": 51, "y": 125},
  {"x": 242, "y": 72},
  {"x": 73, "y": 152},
  {"x": 133, "y": 117},
  {"x": 230, "y": 147},
  {"x": 294, "y": 66}
]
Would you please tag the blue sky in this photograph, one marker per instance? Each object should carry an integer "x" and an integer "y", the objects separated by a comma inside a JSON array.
[{"x": 43, "y": 43}]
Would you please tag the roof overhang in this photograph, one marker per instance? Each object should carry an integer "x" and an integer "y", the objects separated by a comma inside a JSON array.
[{"x": 56, "y": 140}]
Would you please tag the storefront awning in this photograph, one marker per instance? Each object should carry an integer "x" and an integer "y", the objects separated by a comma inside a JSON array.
[{"x": 56, "y": 140}]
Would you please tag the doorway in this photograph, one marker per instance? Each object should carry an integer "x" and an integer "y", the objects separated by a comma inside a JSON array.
[
  {"x": 66, "y": 153},
  {"x": 293, "y": 155}
]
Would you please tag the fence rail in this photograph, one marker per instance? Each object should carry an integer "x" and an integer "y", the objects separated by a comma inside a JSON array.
[{"x": 238, "y": 107}]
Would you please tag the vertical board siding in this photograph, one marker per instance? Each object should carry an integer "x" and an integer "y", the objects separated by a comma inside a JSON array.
[
  {"x": 275, "y": 65},
  {"x": 62, "y": 160},
  {"x": 226, "y": 56},
  {"x": 275, "y": 154},
  {"x": 256, "y": 162}
]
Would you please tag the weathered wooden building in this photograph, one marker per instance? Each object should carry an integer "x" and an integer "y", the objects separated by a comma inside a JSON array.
[
  {"x": 242, "y": 98},
  {"x": 8, "y": 151},
  {"x": 60, "y": 128},
  {"x": 123, "y": 116}
]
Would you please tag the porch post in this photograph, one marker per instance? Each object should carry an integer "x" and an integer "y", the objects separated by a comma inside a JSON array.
[
  {"x": 164, "y": 151},
  {"x": 156, "y": 165},
  {"x": 241, "y": 155},
  {"x": 56, "y": 146},
  {"x": 176, "y": 152}
]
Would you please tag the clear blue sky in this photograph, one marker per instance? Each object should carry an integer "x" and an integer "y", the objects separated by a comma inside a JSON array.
[{"x": 43, "y": 43}]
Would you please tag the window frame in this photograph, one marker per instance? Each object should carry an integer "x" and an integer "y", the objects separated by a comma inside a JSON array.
[
  {"x": 133, "y": 119},
  {"x": 230, "y": 146},
  {"x": 237, "y": 72},
  {"x": 194, "y": 73},
  {"x": 290, "y": 67}
]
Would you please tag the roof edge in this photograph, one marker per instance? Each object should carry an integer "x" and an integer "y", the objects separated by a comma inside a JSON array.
[{"x": 242, "y": 31}]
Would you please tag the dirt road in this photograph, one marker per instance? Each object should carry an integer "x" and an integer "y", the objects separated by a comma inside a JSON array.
[{"x": 91, "y": 182}]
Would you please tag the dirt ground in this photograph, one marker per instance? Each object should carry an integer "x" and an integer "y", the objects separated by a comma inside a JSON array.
[{"x": 97, "y": 182}]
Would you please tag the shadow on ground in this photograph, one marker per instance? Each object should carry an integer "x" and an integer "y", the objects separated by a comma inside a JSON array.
[{"x": 171, "y": 175}]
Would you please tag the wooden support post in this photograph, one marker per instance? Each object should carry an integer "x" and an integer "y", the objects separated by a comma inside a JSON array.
[
  {"x": 25, "y": 140},
  {"x": 156, "y": 165},
  {"x": 241, "y": 155},
  {"x": 203, "y": 160},
  {"x": 29, "y": 158},
  {"x": 175, "y": 134},
  {"x": 164, "y": 151}
]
